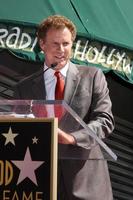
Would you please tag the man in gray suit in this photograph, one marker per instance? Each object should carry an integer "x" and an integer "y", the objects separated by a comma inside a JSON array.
[{"x": 87, "y": 94}]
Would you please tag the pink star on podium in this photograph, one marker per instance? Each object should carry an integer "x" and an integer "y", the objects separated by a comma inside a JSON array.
[{"x": 27, "y": 167}]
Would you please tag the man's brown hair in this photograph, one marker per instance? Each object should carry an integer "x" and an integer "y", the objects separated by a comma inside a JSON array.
[{"x": 55, "y": 22}]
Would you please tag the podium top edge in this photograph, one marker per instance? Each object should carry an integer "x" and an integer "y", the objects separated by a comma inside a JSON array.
[{"x": 23, "y": 102}]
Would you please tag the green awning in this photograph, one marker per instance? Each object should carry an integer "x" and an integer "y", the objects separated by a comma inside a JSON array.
[
  {"x": 33, "y": 11},
  {"x": 107, "y": 20}
]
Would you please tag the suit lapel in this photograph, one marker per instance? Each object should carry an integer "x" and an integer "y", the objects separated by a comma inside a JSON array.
[
  {"x": 38, "y": 87},
  {"x": 72, "y": 82}
]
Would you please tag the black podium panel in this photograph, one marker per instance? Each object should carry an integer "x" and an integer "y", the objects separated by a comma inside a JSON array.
[{"x": 28, "y": 158}]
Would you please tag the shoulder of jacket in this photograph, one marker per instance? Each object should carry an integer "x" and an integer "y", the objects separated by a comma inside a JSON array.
[{"x": 93, "y": 70}]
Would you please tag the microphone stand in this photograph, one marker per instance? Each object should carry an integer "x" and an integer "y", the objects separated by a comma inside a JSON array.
[
  {"x": 35, "y": 76},
  {"x": 40, "y": 72}
]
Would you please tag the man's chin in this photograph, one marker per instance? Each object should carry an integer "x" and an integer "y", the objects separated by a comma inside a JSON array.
[{"x": 61, "y": 64}]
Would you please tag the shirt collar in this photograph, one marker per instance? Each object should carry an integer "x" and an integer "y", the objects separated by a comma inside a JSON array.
[
  {"x": 50, "y": 72},
  {"x": 64, "y": 70}
]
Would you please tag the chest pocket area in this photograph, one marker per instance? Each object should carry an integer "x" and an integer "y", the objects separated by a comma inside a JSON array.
[{"x": 81, "y": 102}]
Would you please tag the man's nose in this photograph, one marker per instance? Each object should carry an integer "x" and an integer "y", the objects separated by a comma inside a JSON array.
[{"x": 61, "y": 47}]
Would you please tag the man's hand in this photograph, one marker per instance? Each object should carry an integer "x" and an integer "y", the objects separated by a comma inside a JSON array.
[{"x": 64, "y": 138}]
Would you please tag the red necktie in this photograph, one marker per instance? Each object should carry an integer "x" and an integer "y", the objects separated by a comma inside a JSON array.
[
  {"x": 39, "y": 110},
  {"x": 59, "y": 90},
  {"x": 59, "y": 94}
]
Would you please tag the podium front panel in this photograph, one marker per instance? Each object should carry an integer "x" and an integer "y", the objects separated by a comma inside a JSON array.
[{"x": 28, "y": 158}]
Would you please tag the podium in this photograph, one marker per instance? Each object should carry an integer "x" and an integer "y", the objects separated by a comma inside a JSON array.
[{"x": 30, "y": 150}]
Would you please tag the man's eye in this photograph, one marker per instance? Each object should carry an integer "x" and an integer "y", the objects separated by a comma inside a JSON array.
[
  {"x": 65, "y": 44},
  {"x": 55, "y": 44}
]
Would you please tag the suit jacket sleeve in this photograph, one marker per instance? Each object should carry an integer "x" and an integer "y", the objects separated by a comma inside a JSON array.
[{"x": 99, "y": 117}]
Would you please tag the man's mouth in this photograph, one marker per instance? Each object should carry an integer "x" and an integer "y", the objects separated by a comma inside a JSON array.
[{"x": 60, "y": 57}]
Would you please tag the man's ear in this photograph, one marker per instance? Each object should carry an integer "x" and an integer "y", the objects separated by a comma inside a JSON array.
[{"x": 42, "y": 44}]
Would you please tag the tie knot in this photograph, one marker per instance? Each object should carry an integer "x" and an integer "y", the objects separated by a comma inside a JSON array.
[{"x": 57, "y": 74}]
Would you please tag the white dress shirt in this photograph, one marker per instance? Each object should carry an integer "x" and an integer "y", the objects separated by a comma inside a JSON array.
[
  {"x": 50, "y": 84},
  {"x": 50, "y": 81}
]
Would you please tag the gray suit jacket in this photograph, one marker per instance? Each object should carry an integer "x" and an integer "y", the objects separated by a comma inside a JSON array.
[{"x": 87, "y": 94}]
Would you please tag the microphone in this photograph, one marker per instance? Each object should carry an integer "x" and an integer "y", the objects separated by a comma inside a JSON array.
[{"x": 53, "y": 65}]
